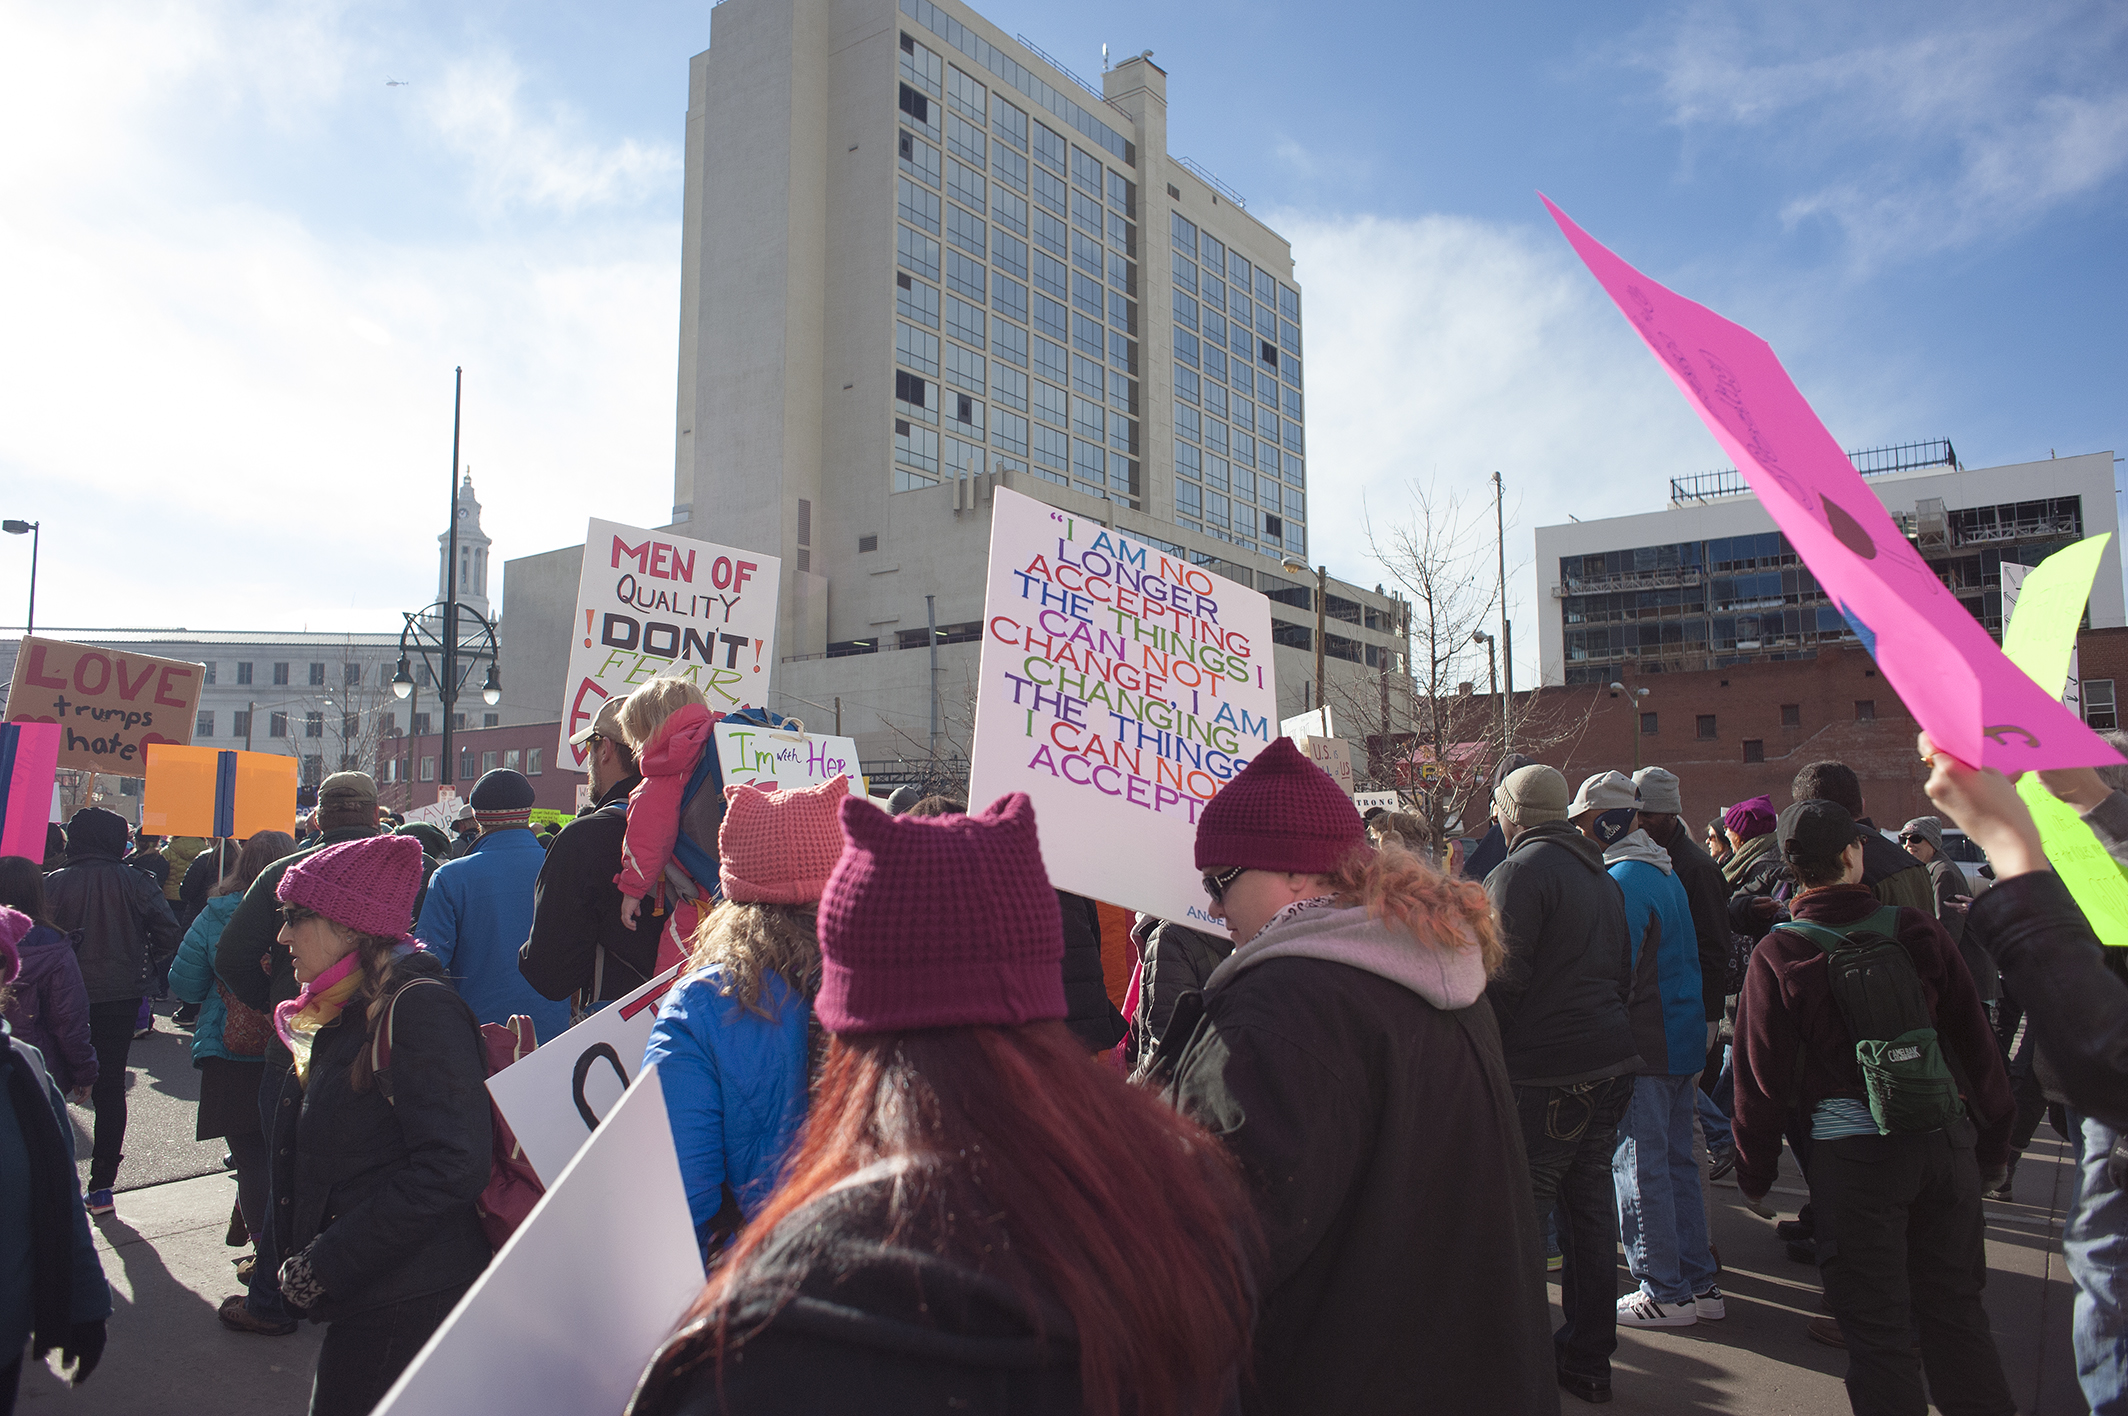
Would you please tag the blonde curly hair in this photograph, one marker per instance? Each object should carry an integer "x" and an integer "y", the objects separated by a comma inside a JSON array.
[
  {"x": 1396, "y": 885},
  {"x": 751, "y": 941}
]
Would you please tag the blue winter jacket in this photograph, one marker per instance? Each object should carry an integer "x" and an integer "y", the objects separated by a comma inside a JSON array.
[
  {"x": 735, "y": 1088},
  {"x": 1669, "y": 1023},
  {"x": 192, "y": 978},
  {"x": 478, "y": 914}
]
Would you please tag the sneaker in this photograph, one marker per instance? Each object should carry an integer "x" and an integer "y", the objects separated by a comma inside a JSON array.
[
  {"x": 99, "y": 1202},
  {"x": 1724, "y": 1162},
  {"x": 1708, "y": 1306},
  {"x": 1639, "y": 1309},
  {"x": 2002, "y": 1192},
  {"x": 236, "y": 1316},
  {"x": 1795, "y": 1231}
]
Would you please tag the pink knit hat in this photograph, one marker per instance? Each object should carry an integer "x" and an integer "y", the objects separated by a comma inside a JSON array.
[
  {"x": 1281, "y": 812},
  {"x": 777, "y": 848},
  {"x": 15, "y": 926},
  {"x": 368, "y": 885},
  {"x": 939, "y": 922}
]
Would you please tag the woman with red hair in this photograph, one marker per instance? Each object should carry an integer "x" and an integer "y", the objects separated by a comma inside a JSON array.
[{"x": 980, "y": 1217}]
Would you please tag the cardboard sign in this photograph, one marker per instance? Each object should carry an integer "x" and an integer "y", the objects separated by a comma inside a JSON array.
[
  {"x": 111, "y": 705},
  {"x": 2041, "y": 639},
  {"x": 1120, "y": 687},
  {"x": 200, "y": 791},
  {"x": 569, "y": 1311},
  {"x": 777, "y": 761},
  {"x": 653, "y": 604},
  {"x": 1975, "y": 703},
  {"x": 29, "y": 753},
  {"x": 1333, "y": 755},
  {"x": 554, "y": 1096}
]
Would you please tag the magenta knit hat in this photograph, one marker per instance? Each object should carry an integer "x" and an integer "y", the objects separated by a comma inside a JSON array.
[
  {"x": 368, "y": 885},
  {"x": 939, "y": 922},
  {"x": 15, "y": 926},
  {"x": 1281, "y": 812},
  {"x": 778, "y": 848}
]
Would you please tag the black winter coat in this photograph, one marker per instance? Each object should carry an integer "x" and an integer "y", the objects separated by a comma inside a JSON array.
[
  {"x": 381, "y": 1191},
  {"x": 576, "y": 908},
  {"x": 1176, "y": 960},
  {"x": 831, "y": 1316},
  {"x": 124, "y": 923},
  {"x": 1708, "y": 894},
  {"x": 1561, "y": 997},
  {"x": 1093, "y": 1020},
  {"x": 2072, "y": 989},
  {"x": 1380, "y": 1137}
]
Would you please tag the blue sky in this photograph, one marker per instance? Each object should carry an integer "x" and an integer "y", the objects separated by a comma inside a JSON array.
[{"x": 240, "y": 268}]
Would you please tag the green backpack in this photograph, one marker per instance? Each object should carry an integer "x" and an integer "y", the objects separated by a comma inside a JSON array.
[{"x": 1908, "y": 1079}]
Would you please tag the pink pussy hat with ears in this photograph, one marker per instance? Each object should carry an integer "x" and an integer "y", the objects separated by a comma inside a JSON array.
[
  {"x": 939, "y": 922},
  {"x": 368, "y": 885},
  {"x": 778, "y": 848}
]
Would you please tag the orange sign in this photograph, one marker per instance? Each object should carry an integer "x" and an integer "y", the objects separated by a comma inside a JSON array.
[
  {"x": 198, "y": 791},
  {"x": 111, "y": 705}
]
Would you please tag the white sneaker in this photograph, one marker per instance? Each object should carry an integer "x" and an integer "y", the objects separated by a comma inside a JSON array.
[
  {"x": 1708, "y": 1306},
  {"x": 1639, "y": 1309}
]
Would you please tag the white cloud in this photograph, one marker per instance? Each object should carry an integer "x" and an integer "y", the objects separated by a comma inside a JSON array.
[
  {"x": 1441, "y": 349},
  {"x": 1947, "y": 127},
  {"x": 228, "y": 413}
]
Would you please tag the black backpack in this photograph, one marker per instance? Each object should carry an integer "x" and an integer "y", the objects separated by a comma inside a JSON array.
[{"x": 1908, "y": 1079}]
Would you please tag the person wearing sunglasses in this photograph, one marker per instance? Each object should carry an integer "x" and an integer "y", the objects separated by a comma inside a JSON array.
[{"x": 1344, "y": 1054}]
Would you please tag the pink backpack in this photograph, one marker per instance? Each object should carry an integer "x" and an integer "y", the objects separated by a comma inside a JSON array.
[{"x": 513, "y": 1186}]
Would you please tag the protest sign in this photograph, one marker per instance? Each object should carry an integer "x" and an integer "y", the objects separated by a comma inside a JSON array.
[
  {"x": 1333, "y": 755},
  {"x": 200, "y": 791},
  {"x": 651, "y": 603},
  {"x": 111, "y": 705},
  {"x": 1119, "y": 688},
  {"x": 1974, "y": 702},
  {"x": 778, "y": 761},
  {"x": 2040, "y": 639},
  {"x": 570, "y": 1309},
  {"x": 554, "y": 1096},
  {"x": 1316, "y": 722},
  {"x": 1365, "y": 802},
  {"x": 440, "y": 812},
  {"x": 28, "y": 754}
]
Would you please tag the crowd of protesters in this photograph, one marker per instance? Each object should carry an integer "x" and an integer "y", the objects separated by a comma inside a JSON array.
[{"x": 1315, "y": 1161}]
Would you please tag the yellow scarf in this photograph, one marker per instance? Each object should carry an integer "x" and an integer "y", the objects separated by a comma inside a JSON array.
[{"x": 299, "y": 1019}]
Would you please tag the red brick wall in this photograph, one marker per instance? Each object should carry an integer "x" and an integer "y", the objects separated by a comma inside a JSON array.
[{"x": 552, "y": 788}]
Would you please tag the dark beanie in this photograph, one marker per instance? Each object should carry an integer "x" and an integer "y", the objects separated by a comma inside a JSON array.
[
  {"x": 501, "y": 799},
  {"x": 1281, "y": 812},
  {"x": 939, "y": 922}
]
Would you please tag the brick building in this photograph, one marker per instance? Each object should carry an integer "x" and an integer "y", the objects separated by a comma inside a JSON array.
[{"x": 406, "y": 769}]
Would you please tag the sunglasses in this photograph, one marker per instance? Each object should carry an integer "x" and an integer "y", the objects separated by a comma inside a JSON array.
[
  {"x": 292, "y": 915},
  {"x": 1216, "y": 885}
]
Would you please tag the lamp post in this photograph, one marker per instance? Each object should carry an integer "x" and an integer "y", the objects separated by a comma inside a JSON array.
[
  {"x": 1492, "y": 674},
  {"x": 437, "y": 629},
  {"x": 1638, "y": 694},
  {"x": 1322, "y": 587},
  {"x": 34, "y": 530}
]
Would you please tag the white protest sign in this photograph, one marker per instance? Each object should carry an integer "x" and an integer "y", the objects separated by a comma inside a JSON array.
[
  {"x": 1313, "y": 723},
  {"x": 651, "y": 603},
  {"x": 1120, "y": 687},
  {"x": 571, "y": 1308},
  {"x": 554, "y": 1096},
  {"x": 1368, "y": 801},
  {"x": 778, "y": 761},
  {"x": 441, "y": 812}
]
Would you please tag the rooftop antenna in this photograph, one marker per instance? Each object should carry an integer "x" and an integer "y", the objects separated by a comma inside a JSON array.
[{"x": 1104, "y": 58}]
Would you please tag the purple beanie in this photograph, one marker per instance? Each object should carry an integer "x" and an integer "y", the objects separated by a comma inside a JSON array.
[
  {"x": 15, "y": 926},
  {"x": 1281, "y": 812},
  {"x": 1750, "y": 819},
  {"x": 939, "y": 922},
  {"x": 368, "y": 885}
]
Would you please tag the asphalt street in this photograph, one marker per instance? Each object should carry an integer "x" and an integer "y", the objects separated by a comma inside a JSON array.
[{"x": 162, "y": 1111}]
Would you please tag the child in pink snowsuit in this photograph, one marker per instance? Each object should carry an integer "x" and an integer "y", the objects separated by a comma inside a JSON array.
[{"x": 667, "y": 722}]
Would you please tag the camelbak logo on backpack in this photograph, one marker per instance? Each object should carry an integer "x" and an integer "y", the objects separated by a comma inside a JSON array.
[{"x": 1880, "y": 997}]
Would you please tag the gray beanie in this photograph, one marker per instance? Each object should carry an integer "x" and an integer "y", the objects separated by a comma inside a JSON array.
[
  {"x": 1658, "y": 791},
  {"x": 1928, "y": 828},
  {"x": 1532, "y": 795}
]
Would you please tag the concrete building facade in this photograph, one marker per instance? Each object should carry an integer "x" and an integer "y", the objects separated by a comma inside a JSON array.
[
  {"x": 920, "y": 261},
  {"x": 1709, "y": 582}
]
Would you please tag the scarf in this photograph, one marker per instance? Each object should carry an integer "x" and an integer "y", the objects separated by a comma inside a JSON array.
[{"x": 299, "y": 1020}]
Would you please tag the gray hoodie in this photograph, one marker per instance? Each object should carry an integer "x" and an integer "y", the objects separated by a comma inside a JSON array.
[{"x": 1447, "y": 975}]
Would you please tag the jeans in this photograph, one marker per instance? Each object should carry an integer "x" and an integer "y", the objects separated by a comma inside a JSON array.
[
  {"x": 2095, "y": 1243},
  {"x": 1899, "y": 1231},
  {"x": 1569, "y": 1133},
  {"x": 263, "y": 1300},
  {"x": 364, "y": 1354},
  {"x": 1662, "y": 1217},
  {"x": 111, "y": 1035},
  {"x": 1714, "y": 1122}
]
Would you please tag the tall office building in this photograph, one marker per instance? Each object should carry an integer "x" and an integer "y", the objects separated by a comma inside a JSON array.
[{"x": 922, "y": 260}]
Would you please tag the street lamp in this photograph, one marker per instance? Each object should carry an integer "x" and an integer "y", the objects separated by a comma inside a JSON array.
[
  {"x": 33, "y": 530},
  {"x": 1638, "y": 694},
  {"x": 1322, "y": 587},
  {"x": 460, "y": 637},
  {"x": 1492, "y": 674}
]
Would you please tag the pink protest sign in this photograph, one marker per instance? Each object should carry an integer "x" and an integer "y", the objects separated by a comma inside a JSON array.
[
  {"x": 1975, "y": 703},
  {"x": 29, "y": 753}
]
